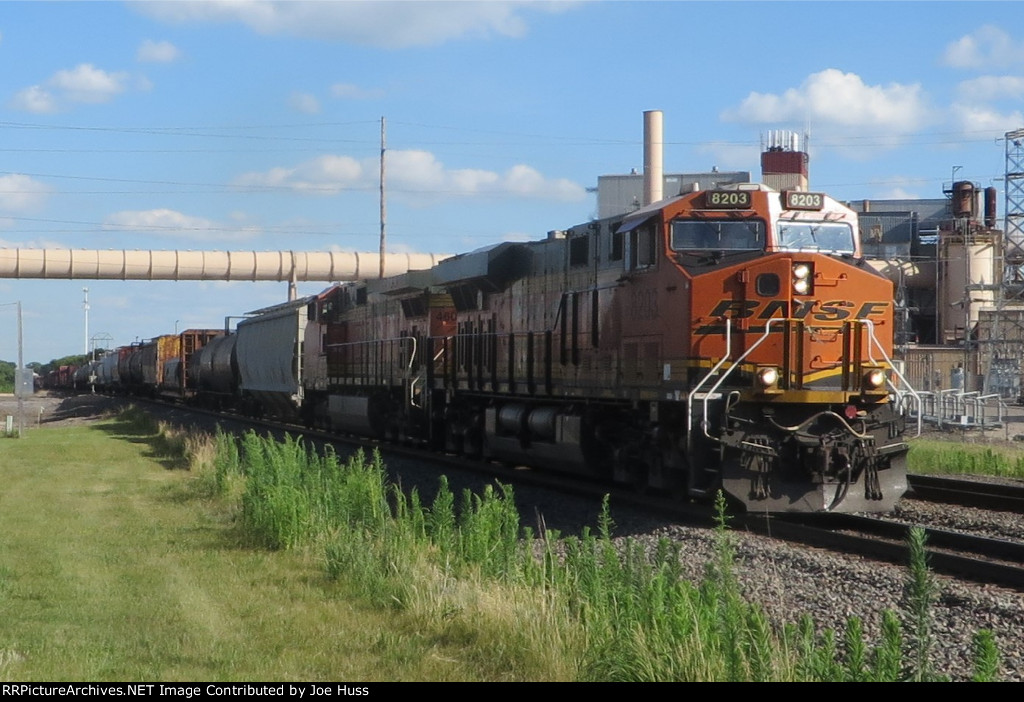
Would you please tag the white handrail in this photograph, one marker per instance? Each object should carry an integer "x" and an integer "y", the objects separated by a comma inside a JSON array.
[
  {"x": 705, "y": 423},
  {"x": 767, "y": 330},
  {"x": 696, "y": 389},
  {"x": 909, "y": 389}
]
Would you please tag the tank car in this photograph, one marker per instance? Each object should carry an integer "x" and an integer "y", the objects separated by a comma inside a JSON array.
[
  {"x": 726, "y": 339},
  {"x": 84, "y": 377},
  {"x": 214, "y": 372}
]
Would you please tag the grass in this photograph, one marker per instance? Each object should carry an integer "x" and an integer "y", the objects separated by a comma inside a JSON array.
[
  {"x": 607, "y": 611},
  {"x": 266, "y": 561},
  {"x": 114, "y": 568},
  {"x": 936, "y": 457}
]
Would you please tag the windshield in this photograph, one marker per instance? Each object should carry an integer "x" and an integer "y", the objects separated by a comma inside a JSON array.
[
  {"x": 834, "y": 237},
  {"x": 718, "y": 235}
]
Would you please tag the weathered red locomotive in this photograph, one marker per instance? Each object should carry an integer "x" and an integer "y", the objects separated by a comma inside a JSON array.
[{"x": 729, "y": 339}]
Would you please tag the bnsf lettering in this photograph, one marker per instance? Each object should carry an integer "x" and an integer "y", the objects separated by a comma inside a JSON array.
[
  {"x": 868, "y": 309},
  {"x": 830, "y": 311},
  {"x": 780, "y": 308},
  {"x": 739, "y": 309},
  {"x": 834, "y": 311}
]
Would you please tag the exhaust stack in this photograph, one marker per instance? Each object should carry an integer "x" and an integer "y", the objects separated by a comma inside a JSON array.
[{"x": 654, "y": 171}]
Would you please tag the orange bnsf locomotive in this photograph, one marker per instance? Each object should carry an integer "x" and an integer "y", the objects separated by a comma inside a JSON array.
[{"x": 723, "y": 339}]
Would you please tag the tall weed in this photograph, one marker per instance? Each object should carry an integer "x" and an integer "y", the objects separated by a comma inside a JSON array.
[
  {"x": 919, "y": 598},
  {"x": 617, "y": 611},
  {"x": 943, "y": 457}
]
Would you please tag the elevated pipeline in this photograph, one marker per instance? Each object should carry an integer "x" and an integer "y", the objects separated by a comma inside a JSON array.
[{"x": 284, "y": 266}]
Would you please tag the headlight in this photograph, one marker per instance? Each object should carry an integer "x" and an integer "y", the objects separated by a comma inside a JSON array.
[
  {"x": 802, "y": 278},
  {"x": 768, "y": 376},
  {"x": 874, "y": 379}
]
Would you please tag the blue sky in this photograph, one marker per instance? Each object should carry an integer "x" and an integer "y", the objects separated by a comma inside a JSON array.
[{"x": 256, "y": 125}]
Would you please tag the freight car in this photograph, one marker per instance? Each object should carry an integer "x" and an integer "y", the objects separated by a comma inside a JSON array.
[
  {"x": 727, "y": 339},
  {"x": 177, "y": 377},
  {"x": 158, "y": 367},
  {"x": 61, "y": 378},
  {"x": 214, "y": 373}
]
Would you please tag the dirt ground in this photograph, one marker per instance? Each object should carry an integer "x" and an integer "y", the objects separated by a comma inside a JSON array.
[{"x": 52, "y": 409}]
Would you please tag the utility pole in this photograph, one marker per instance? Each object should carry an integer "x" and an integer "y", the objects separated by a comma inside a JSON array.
[
  {"x": 19, "y": 377},
  {"x": 85, "y": 306},
  {"x": 383, "y": 204},
  {"x": 22, "y": 379}
]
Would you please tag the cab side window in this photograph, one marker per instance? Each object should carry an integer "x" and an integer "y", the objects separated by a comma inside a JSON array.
[{"x": 642, "y": 247}]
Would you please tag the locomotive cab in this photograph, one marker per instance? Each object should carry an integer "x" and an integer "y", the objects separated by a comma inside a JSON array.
[{"x": 801, "y": 409}]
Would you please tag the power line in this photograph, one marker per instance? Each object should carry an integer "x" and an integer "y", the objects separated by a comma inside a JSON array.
[{"x": 231, "y": 132}]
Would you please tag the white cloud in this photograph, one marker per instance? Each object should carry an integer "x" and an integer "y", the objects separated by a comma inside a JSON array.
[
  {"x": 82, "y": 84},
  {"x": 347, "y": 91},
  {"x": 34, "y": 99},
  {"x": 170, "y": 223},
  {"x": 987, "y": 47},
  {"x": 414, "y": 172},
  {"x": 383, "y": 24},
  {"x": 986, "y": 88},
  {"x": 974, "y": 118},
  {"x": 304, "y": 103},
  {"x": 86, "y": 83},
  {"x": 832, "y": 97},
  {"x": 21, "y": 193},
  {"x": 975, "y": 110},
  {"x": 325, "y": 175},
  {"x": 157, "y": 52}
]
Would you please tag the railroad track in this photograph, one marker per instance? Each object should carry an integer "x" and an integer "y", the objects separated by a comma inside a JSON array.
[
  {"x": 967, "y": 492},
  {"x": 967, "y": 557}
]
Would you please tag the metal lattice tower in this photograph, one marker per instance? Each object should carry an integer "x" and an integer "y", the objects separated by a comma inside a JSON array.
[
  {"x": 1013, "y": 227},
  {"x": 1001, "y": 335}
]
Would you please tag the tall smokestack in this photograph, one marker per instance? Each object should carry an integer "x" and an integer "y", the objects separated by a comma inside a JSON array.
[
  {"x": 654, "y": 178},
  {"x": 990, "y": 207}
]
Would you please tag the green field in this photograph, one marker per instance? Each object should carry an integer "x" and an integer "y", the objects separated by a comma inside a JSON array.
[
  {"x": 265, "y": 562},
  {"x": 113, "y": 568}
]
